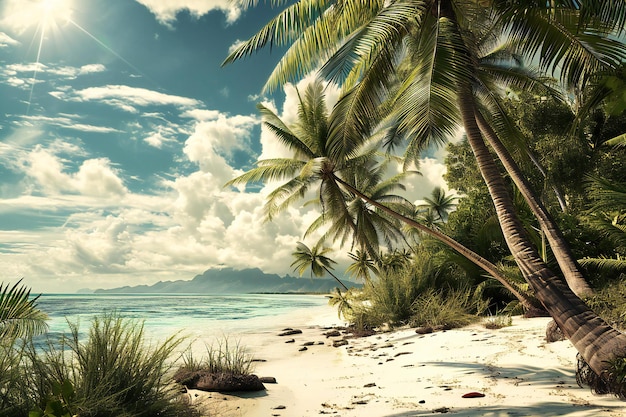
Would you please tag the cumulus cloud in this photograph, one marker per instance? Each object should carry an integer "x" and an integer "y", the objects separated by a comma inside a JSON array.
[
  {"x": 95, "y": 177},
  {"x": 221, "y": 135},
  {"x": 166, "y": 10}
]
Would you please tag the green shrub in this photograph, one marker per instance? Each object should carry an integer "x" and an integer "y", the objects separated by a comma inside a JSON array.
[
  {"x": 112, "y": 373},
  {"x": 456, "y": 308},
  {"x": 608, "y": 302},
  {"x": 498, "y": 321},
  {"x": 222, "y": 357}
]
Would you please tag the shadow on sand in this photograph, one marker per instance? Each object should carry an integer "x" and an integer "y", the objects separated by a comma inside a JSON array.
[
  {"x": 543, "y": 409},
  {"x": 536, "y": 377}
]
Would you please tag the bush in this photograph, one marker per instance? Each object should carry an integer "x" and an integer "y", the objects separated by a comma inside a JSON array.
[
  {"x": 113, "y": 373},
  {"x": 221, "y": 358},
  {"x": 456, "y": 308},
  {"x": 609, "y": 304},
  {"x": 498, "y": 321}
]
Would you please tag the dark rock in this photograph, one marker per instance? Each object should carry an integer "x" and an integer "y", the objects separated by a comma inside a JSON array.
[
  {"x": 290, "y": 341},
  {"x": 220, "y": 382},
  {"x": 268, "y": 379},
  {"x": 424, "y": 330},
  {"x": 554, "y": 332},
  {"x": 308, "y": 343},
  {"x": 370, "y": 385},
  {"x": 339, "y": 343},
  {"x": 279, "y": 407},
  {"x": 303, "y": 348},
  {"x": 333, "y": 333},
  {"x": 442, "y": 410},
  {"x": 289, "y": 332},
  {"x": 473, "y": 395}
]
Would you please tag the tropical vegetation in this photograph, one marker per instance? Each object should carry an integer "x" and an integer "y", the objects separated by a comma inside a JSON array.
[
  {"x": 110, "y": 372},
  {"x": 412, "y": 73}
]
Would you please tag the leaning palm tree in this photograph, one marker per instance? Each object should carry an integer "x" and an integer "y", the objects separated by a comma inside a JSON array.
[
  {"x": 19, "y": 315},
  {"x": 360, "y": 44},
  {"x": 319, "y": 162},
  {"x": 315, "y": 260}
]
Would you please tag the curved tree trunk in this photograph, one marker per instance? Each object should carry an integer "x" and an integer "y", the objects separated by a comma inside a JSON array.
[
  {"x": 478, "y": 260},
  {"x": 595, "y": 340},
  {"x": 564, "y": 256}
]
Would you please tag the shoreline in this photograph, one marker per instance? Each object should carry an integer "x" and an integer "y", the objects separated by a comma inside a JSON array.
[{"x": 402, "y": 373}]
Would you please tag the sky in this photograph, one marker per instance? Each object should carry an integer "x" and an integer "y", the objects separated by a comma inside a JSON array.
[{"x": 118, "y": 130}]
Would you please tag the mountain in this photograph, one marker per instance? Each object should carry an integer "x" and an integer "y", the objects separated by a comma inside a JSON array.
[{"x": 232, "y": 281}]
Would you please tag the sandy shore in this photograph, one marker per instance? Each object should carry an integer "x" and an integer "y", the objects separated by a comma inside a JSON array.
[{"x": 402, "y": 374}]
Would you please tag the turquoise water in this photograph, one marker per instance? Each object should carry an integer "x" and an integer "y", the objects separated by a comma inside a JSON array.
[{"x": 166, "y": 315}]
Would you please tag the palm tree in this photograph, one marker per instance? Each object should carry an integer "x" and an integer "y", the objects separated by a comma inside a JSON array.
[
  {"x": 19, "y": 316},
  {"x": 608, "y": 215},
  {"x": 439, "y": 204},
  {"x": 318, "y": 160},
  {"x": 316, "y": 260},
  {"x": 361, "y": 43},
  {"x": 362, "y": 265}
]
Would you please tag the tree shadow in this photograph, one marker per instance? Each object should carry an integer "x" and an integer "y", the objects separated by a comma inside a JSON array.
[
  {"x": 541, "y": 379},
  {"x": 544, "y": 409}
]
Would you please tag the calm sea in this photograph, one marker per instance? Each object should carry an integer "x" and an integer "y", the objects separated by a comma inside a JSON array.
[{"x": 191, "y": 315}]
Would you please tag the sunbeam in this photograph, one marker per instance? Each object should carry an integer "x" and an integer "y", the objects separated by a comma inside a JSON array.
[{"x": 48, "y": 16}]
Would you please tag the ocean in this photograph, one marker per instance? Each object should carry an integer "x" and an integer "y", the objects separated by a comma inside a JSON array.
[{"x": 195, "y": 316}]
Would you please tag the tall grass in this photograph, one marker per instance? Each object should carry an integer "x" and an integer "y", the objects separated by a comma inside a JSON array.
[
  {"x": 113, "y": 373},
  {"x": 221, "y": 357},
  {"x": 423, "y": 292}
]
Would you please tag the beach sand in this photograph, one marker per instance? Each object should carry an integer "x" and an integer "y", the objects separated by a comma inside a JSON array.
[{"x": 402, "y": 374}]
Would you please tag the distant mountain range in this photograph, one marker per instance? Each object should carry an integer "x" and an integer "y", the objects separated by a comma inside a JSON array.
[{"x": 232, "y": 281}]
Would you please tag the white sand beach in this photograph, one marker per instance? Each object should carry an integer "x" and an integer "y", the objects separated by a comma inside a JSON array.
[{"x": 402, "y": 374}]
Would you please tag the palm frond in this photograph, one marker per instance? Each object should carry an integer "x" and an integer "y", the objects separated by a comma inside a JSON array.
[{"x": 19, "y": 315}]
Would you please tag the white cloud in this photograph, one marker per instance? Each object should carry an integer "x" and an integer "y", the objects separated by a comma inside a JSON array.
[
  {"x": 166, "y": 10},
  {"x": 68, "y": 122},
  {"x": 222, "y": 135},
  {"x": 95, "y": 177},
  {"x": 6, "y": 40},
  {"x": 127, "y": 98},
  {"x": 91, "y": 68}
]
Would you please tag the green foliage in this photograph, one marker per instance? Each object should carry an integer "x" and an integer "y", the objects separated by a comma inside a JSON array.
[
  {"x": 417, "y": 290},
  {"x": 19, "y": 315},
  {"x": 608, "y": 302},
  {"x": 451, "y": 309},
  {"x": 112, "y": 373},
  {"x": 498, "y": 321},
  {"x": 222, "y": 357},
  {"x": 58, "y": 406}
]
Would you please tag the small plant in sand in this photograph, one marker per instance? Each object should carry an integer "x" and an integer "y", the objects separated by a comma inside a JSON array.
[
  {"x": 498, "y": 321},
  {"x": 223, "y": 357}
]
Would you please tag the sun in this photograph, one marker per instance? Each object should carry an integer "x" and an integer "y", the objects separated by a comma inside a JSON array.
[
  {"x": 54, "y": 11},
  {"x": 21, "y": 15}
]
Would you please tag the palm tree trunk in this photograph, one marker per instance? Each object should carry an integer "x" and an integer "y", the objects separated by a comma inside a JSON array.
[
  {"x": 593, "y": 338},
  {"x": 560, "y": 248},
  {"x": 336, "y": 279},
  {"x": 478, "y": 260}
]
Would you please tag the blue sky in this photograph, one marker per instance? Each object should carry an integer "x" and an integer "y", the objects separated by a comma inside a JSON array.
[{"x": 120, "y": 128}]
